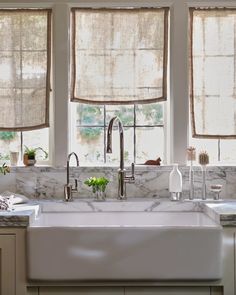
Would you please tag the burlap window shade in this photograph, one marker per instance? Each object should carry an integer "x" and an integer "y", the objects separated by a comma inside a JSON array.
[
  {"x": 119, "y": 56},
  {"x": 213, "y": 73},
  {"x": 24, "y": 68}
]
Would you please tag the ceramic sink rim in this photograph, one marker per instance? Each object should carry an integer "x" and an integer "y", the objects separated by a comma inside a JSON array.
[{"x": 193, "y": 220}]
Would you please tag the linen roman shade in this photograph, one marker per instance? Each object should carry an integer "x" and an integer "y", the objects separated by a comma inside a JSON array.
[
  {"x": 119, "y": 56},
  {"x": 25, "y": 41},
  {"x": 213, "y": 72}
]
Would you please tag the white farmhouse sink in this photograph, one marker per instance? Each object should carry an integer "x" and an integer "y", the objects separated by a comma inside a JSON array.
[{"x": 124, "y": 246}]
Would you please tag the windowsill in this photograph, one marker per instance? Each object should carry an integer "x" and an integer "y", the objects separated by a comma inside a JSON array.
[{"x": 163, "y": 168}]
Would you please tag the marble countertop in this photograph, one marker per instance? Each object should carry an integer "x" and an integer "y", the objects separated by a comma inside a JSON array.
[
  {"x": 20, "y": 216},
  {"x": 223, "y": 212}
]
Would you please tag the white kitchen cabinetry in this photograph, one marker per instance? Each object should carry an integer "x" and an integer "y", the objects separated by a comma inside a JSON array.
[
  {"x": 81, "y": 291},
  {"x": 32, "y": 291},
  {"x": 175, "y": 290},
  {"x": 7, "y": 264},
  {"x": 12, "y": 262},
  {"x": 229, "y": 261}
]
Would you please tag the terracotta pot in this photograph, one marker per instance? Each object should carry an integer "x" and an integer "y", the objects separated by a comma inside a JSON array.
[{"x": 27, "y": 161}]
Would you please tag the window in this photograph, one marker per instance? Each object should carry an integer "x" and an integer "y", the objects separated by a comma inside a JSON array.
[
  {"x": 213, "y": 89},
  {"x": 24, "y": 79},
  {"x": 15, "y": 142},
  {"x": 172, "y": 130},
  {"x": 144, "y": 132},
  {"x": 119, "y": 67}
]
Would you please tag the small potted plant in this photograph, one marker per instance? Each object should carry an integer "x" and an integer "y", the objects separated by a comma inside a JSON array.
[
  {"x": 30, "y": 154},
  {"x": 98, "y": 185},
  {"x": 4, "y": 169}
]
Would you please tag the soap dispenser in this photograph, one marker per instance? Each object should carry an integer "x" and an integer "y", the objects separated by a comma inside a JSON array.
[{"x": 175, "y": 183}]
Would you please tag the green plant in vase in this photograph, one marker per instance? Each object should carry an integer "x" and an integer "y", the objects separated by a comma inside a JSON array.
[
  {"x": 98, "y": 185},
  {"x": 30, "y": 154}
]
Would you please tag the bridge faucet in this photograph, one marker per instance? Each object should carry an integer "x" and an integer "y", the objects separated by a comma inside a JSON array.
[
  {"x": 68, "y": 188},
  {"x": 122, "y": 178}
]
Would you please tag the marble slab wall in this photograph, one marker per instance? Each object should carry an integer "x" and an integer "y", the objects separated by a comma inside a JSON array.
[{"x": 48, "y": 182}]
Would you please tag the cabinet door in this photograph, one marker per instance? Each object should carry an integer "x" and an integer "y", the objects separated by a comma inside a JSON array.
[
  {"x": 81, "y": 291},
  {"x": 7, "y": 263},
  {"x": 168, "y": 291},
  {"x": 216, "y": 290},
  {"x": 32, "y": 291}
]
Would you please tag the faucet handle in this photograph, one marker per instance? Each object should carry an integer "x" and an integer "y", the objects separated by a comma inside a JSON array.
[
  {"x": 131, "y": 178},
  {"x": 132, "y": 170},
  {"x": 76, "y": 183},
  {"x": 75, "y": 189}
]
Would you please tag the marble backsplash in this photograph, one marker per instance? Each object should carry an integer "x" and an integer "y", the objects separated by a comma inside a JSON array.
[{"x": 151, "y": 181}]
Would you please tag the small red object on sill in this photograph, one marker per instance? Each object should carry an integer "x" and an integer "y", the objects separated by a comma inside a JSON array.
[{"x": 153, "y": 162}]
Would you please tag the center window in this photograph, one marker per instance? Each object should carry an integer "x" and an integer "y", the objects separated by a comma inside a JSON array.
[{"x": 118, "y": 68}]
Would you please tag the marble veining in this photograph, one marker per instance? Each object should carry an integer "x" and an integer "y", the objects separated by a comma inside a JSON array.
[
  {"x": 223, "y": 212},
  {"x": 46, "y": 183},
  {"x": 19, "y": 216}
]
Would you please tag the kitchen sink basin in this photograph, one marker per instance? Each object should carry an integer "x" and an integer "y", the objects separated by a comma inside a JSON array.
[{"x": 124, "y": 246}]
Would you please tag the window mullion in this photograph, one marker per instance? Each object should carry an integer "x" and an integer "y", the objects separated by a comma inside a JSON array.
[
  {"x": 61, "y": 83},
  {"x": 178, "y": 83}
]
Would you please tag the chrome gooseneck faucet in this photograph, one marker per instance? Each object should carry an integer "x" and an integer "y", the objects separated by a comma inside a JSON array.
[
  {"x": 122, "y": 178},
  {"x": 68, "y": 188}
]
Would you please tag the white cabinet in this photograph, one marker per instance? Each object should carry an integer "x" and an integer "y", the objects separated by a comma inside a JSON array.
[
  {"x": 32, "y": 291},
  {"x": 12, "y": 261},
  {"x": 175, "y": 290},
  {"x": 7, "y": 263},
  {"x": 81, "y": 291}
]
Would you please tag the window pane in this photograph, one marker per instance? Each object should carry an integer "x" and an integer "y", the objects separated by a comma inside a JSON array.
[
  {"x": 213, "y": 71},
  {"x": 208, "y": 145},
  {"x": 88, "y": 141},
  {"x": 89, "y": 114},
  {"x": 129, "y": 147},
  {"x": 119, "y": 54},
  {"x": 89, "y": 144},
  {"x": 125, "y": 113},
  {"x": 150, "y": 114},
  {"x": 149, "y": 144},
  {"x": 24, "y": 67},
  {"x": 228, "y": 151},
  {"x": 9, "y": 142},
  {"x": 37, "y": 138}
]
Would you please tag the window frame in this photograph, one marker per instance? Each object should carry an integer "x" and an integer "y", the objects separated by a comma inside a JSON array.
[
  {"x": 17, "y": 5},
  {"x": 132, "y": 126},
  {"x": 177, "y": 125}
]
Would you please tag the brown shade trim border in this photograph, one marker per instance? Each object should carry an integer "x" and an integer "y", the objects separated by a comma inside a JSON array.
[
  {"x": 48, "y": 74},
  {"x": 87, "y": 100},
  {"x": 192, "y": 111}
]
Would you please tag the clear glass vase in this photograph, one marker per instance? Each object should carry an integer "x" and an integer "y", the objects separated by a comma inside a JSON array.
[{"x": 99, "y": 195}]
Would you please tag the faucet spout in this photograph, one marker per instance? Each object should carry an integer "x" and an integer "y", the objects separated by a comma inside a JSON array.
[
  {"x": 122, "y": 178},
  {"x": 68, "y": 189},
  {"x": 109, "y": 139}
]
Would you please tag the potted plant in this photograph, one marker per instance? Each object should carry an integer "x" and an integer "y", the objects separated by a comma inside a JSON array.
[
  {"x": 30, "y": 154},
  {"x": 4, "y": 169},
  {"x": 98, "y": 185}
]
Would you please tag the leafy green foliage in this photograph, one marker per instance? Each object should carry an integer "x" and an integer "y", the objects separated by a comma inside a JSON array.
[
  {"x": 89, "y": 114},
  {"x": 5, "y": 157},
  {"x": 126, "y": 115},
  {"x": 90, "y": 133},
  {"x": 6, "y": 135},
  {"x": 97, "y": 183},
  {"x": 4, "y": 169},
  {"x": 31, "y": 152},
  {"x": 153, "y": 113}
]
